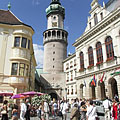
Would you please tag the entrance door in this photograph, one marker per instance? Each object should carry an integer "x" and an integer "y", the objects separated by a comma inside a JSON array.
[
  {"x": 114, "y": 87},
  {"x": 53, "y": 96}
]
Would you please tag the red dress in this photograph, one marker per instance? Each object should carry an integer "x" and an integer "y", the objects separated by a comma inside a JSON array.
[{"x": 115, "y": 111}]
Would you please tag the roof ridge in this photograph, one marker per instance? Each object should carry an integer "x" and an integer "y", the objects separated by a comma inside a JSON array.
[{"x": 15, "y": 16}]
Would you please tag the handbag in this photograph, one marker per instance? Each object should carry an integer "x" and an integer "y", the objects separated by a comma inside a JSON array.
[{"x": 4, "y": 112}]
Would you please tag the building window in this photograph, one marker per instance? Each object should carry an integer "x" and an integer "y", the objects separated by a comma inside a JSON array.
[
  {"x": 71, "y": 75},
  {"x": 1, "y": 99},
  {"x": 101, "y": 15},
  {"x": 54, "y": 52},
  {"x": 49, "y": 34},
  {"x": 109, "y": 48},
  {"x": 95, "y": 19},
  {"x": 17, "y": 42},
  {"x": 53, "y": 45},
  {"x": 21, "y": 69},
  {"x": 90, "y": 56},
  {"x": 53, "y": 59},
  {"x": 27, "y": 70},
  {"x": 99, "y": 52},
  {"x": 81, "y": 60},
  {"x": 24, "y": 42},
  {"x": 71, "y": 90},
  {"x": 14, "y": 68},
  {"x": 68, "y": 90},
  {"x": 58, "y": 34},
  {"x": 53, "y": 66},
  {"x": 67, "y": 66},
  {"x": 53, "y": 33},
  {"x": 63, "y": 34},
  {"x": 71, "y": 64},
  {"x": 67, "y": 77},
  {"x": 90, "y": 25},
  {"x": 29, "y": 44},
  {"x": 74, "y": 62}
]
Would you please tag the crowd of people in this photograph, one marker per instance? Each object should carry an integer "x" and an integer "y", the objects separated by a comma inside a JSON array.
[{"x": 79, "y": 109}]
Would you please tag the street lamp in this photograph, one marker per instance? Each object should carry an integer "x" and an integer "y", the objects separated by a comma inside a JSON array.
[
  {"x": 115, "y": 58},
  {"x": 66, "y": 92},
  {"x": 85, "y": 70}
]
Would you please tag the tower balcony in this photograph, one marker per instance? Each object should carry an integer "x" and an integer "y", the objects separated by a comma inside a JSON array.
[{"x": 55, "y": 35}]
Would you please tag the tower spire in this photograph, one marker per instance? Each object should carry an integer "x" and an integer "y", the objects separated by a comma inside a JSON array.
[{"x": 9, "y": 6}]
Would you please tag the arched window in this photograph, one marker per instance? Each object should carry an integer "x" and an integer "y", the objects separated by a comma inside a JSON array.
[
  {"x": 53, "y": 33},
  {"x": 95, "y": 18},
  {"x": 81, "y": 60},
  {"x": 58, "y": 34},
  {"x": 45, "y": 35},
  {"x": 63, "y": 34},
  {"x": 99, "y": 52},
  {"x": 49, "y": 34},
  {"x": 90, "y": 56},
  {"x": 109, "y": 48}
]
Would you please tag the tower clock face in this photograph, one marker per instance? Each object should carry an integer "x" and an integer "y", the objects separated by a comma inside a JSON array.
[{"x": 54, "y": 24}]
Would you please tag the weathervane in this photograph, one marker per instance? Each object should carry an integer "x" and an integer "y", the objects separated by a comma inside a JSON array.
[{"x": 9, "y": 6}]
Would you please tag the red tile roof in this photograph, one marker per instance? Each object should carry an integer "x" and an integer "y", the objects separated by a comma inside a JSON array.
[{"x": 7, "y": 17}]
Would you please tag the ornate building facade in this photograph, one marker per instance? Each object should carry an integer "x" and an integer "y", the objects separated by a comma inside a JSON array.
[
  {"x": 17, "y": 61},
  {"x": 97, "y": 54}
]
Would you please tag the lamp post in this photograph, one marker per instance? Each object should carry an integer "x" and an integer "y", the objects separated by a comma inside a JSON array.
[
  {"x": 66, "y": 92},
  {"x": 85, "y": 70},
  {"x": 115, "y": 58}
]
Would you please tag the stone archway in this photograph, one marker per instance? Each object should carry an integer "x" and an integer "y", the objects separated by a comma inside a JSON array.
[
  {"x": 101, "y": 90},
  {"x": 81, "y": 91},
  {"x": 92, "y": 91},
  {"x": 113, "y": 89},
  {"x": 53, "y": 96}
]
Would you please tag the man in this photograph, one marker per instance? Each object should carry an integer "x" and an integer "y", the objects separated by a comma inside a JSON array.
[
  {"x": 46, "y": 110},
  {"x": 107, "y": 107},
  {"x": 91, "y": 111},
  {"x": 75, "y": 112},
  {"x": 64, "y": 108},
  {"x": 23, "y": 110},
  {"x": 27, "y": 115}
]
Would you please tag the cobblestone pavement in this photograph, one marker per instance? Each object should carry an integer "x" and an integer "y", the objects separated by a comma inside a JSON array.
[{"x": 51, "y": 118}]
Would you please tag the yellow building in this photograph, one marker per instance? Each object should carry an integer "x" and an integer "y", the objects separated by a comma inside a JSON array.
[{"x": 16, "y": 54}]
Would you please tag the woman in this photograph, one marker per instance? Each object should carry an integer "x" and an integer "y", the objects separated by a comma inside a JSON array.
[
  {"x": 4, "y": 111},
  {"x": 15, "y": 113},
  {"x": 115, "y": 110}
]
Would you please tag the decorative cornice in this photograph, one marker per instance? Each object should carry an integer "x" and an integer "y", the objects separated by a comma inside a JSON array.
[{"x": 108, "y": 19}]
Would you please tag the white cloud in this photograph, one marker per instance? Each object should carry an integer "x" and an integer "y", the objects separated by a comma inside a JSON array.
[
  {"x": 39, "y": 52},
  {"x": 36, "y": 2}
]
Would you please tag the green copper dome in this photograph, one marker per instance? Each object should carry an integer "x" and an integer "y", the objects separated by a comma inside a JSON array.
[{"x": 55, "y": 7}]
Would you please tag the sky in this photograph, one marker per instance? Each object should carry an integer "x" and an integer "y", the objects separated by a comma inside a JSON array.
[{"x": 32, "y": 12}]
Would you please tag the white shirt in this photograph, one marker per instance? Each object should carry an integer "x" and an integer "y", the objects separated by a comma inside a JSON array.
[
  {"x": 91, "y": 112},
  {"x": 106, "y": 104},
  {"x": 46, "y": 107},
  {"x": 64, "y": 107},
  {"x": 23, "y": 107}
]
